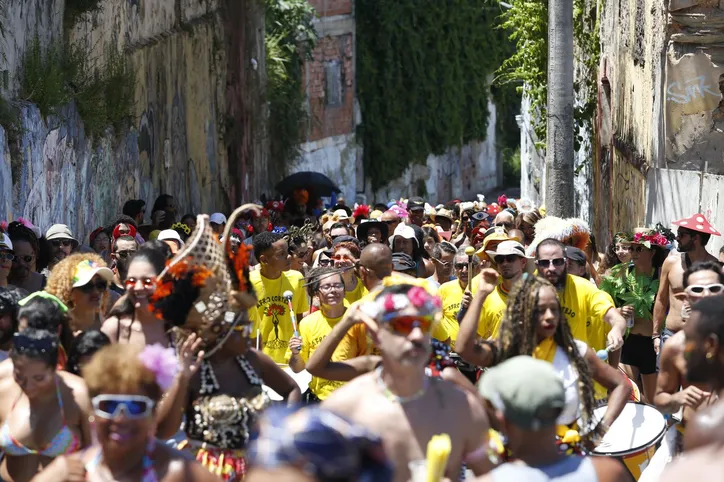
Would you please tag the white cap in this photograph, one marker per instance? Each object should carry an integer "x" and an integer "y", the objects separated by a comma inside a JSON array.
[
  {"x": 86, "y": 270},
  {"x": 216, "y": 218},
  {"x": 5, "y": 242},
  {"x": 340, "y": 214},
  {"x": 506, "y": 248},
  {"x": 170, "y": 234},
  {"x": 404, "y": 231}
]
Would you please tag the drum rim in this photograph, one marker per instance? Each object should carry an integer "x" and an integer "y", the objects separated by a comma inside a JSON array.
[{"x": 640, "y": 448}]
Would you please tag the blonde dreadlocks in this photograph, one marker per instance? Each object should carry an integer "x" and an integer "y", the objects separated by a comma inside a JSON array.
[{"x": 518, "y": 337}]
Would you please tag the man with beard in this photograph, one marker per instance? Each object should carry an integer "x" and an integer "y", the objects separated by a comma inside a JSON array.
[
  {"x": 455, "y": 296},
  {"x": 673, "y": 390},
  {"x": 62, "y": 243},
  {"x": 9, "y": 299},
  {"x": 692, "y": 236},
  {"x": 123, "y": 250},
  {"x": 398, "y": 400},
  {"x": 580, "y": 299},
  {"x": 485, "y": 314}
]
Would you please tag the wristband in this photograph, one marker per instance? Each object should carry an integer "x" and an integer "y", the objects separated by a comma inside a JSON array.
[{"x": 656, "y": 335}]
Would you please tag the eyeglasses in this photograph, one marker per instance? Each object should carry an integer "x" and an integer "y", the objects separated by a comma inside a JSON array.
[
  {"x": 133, "y": 406},
  {"x": 146, "y": 282},
  {"x": 7, "y": 256},
  {"x": 461, "y": 266},
  {"x": 331, "y": 287},
  {"x": 404, "y": 325},
  {"x": 545, "y": 263},
  {"x": 443, "y": 263},
  {"x": 125, "y": 253},
  {"x": 713, "y": 289},
  {"x": 98, "y": 285},
  {"x": 61, "y": 242},
  {"x": 507, "y": 258}
]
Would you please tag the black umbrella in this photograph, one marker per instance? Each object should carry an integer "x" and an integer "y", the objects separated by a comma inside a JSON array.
[{"x": 315, "y": 182}]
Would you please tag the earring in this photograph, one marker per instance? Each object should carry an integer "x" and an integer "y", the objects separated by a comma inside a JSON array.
[{"x": 709, "y": 356}]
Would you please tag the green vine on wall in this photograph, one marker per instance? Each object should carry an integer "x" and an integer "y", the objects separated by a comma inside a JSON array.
[
  {"x": 423, "y": 69},
  {"x": 527, "y": 21},
  {"x": 290, "y": 39},
  {"x": 61, "y": 73}
]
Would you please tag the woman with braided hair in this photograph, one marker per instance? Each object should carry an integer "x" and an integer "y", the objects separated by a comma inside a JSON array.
[{"x": 534, "y": 325}]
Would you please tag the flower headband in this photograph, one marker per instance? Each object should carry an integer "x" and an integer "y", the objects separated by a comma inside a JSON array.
[
  {"x": 659, "y": 236},
  {"x": 388, "y": 306},
  {"x": 181, "y": 226},
  {"x": 162, "y": 362}
]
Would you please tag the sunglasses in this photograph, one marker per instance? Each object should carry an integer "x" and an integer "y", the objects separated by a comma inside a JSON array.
[
  {"x": 545, "y": 263},
  {"x": 391, "y": 222},
  {"x": 340, "y": 257},
  {"x": 125, "y": 254},
  {"x": 713, "y": 289},
  {"x": 27, "y": 258},
  {"x": 146, "y": 282},
  {"x": 461, "y": 266},
  {"x": 506, "y": 258},
  {"x": 98, "y": 285},
  {"x": 61, "y": 242},
  {"x": 637, "y": 249},
  {"x": 404, "y": 325},
  {"x": 7, "y": 256},
  {"x": 325, "y": 262},
  {"x": 133, "y": 406}
]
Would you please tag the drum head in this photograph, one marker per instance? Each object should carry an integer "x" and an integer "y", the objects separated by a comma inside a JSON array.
[{"x": 639, "y": 426}]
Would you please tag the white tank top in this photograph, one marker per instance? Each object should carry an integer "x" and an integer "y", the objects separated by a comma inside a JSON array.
[{"x": 569, "y": 375}]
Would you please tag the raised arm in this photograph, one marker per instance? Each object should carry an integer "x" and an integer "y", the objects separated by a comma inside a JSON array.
[
  {"x": 320, "y": 364},
  {"x": 466, "y": 343}
]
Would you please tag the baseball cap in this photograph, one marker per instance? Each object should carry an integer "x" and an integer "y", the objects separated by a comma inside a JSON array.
[
  {"x": 507, "y": 247},
  {"x": 216, "y": 218},
  {"x": 5, "y": 242},
  {"x": 402, "y": 262},
  {"x": 170, "y": 234},
  {"x": 59, "y": 231},
  {"x": 415, "y": 203},
  {"x": 575, "y": 254},
  {"x": 528, "y": 392},
  {"x": 86, "y": 270},
  {"x": 405, "y": 231}
]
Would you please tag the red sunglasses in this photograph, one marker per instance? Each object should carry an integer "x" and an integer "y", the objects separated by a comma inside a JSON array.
[{"x": 405, "y": 324}]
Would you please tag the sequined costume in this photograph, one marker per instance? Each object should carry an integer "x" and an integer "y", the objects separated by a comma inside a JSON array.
[{"x": 219, "y": 425}]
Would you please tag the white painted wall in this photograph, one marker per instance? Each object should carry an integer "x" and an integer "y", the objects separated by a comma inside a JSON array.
[{"x": 336, "y": 157}]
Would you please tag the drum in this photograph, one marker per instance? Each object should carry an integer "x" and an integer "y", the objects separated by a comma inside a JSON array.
[
  {"x": 634, "y": 436},
  {"x": 302, "y": 378}
]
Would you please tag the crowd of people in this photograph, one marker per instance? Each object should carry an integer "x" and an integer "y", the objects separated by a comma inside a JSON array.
[{"x": 280, "y": 342}]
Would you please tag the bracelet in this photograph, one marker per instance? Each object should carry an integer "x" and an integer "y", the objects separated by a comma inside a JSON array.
[{"x": 656, "y": 335}]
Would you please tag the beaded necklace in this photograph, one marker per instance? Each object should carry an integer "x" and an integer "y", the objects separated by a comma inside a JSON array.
[{"x": 396, "y": 398}]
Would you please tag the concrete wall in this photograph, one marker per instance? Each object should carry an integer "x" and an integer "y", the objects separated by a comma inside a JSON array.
[
  {"x": 661, "y": 138},
  {"x": 192, "y": 134}
]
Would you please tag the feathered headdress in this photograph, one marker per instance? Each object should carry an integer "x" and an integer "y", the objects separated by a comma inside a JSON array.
[
  {"x": 571, "y": 232},
  {"x": 361, "y": 211}
]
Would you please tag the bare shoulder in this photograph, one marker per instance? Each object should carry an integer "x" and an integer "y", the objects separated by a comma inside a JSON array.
[
  {"x": 182, "y": 468},
  {"x": 705, "y": 427},
  {"x": 702, "y": 462},
  {"x": 110, "y": 327},
  {"x": 6, "y": 369},
  {"x": 345, "y": 399},
  {"x": 610, "y": 470},
  {"x": 674, "y": 346},
  {"x": 77, "y": 387}
]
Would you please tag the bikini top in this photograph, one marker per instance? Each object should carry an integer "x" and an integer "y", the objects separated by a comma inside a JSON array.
[
  {"x": 64, "y": 442},
  {"x": 149, "y": 474}
]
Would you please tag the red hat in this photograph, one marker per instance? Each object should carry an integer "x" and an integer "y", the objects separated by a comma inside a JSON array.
[{"x": 697, "y": 222}]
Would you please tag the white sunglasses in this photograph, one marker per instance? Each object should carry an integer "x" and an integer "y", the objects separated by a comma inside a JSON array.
[
  {"x": 713, "y": 289},
  {"x": 133, "y": 406}
]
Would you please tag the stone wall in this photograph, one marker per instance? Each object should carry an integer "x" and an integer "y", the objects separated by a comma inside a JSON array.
[
  {"x": 195, "y": 133},
  {"x": 661, "y": 138}
]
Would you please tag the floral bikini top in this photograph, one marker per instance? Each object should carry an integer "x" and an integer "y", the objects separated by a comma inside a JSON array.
[{"x": 222, "y": 420}]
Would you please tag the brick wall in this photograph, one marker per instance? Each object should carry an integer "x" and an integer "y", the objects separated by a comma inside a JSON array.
[
  {"x": 329, "y": 8},
  {"x": 330, "y": 120}
]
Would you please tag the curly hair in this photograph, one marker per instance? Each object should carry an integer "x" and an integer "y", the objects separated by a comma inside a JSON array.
[
  {"x": 518, "y": 337},
  {"x": 316, "y": 275},
  {"x": 349, "y": 246},
  {"x": 116, "y": 368},
  {"x": 60, "y": 281}
]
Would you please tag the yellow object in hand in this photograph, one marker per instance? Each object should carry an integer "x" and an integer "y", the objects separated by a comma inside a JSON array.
[{"x": 438, "y": 451}]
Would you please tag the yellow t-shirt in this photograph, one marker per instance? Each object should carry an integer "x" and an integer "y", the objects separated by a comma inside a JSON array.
[
  {"x": 451, "y": 295},
  {"x": 313, "y": 329},
  {"x": 581, "y": 300},
  {"x": 492, "y": 313},
  {"x": 357, "y": 293},
  {"x": 271, "y": 313}
]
